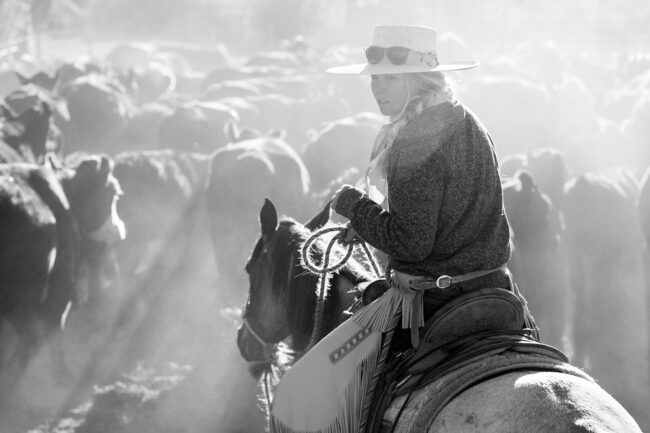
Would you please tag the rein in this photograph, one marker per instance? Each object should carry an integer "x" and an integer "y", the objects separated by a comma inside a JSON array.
[{"x": 325, "y": 268}]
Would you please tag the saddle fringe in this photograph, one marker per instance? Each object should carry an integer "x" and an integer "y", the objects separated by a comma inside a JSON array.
[
  {"x": 379, "y": 314},
  {"x": 351, "y": 403}
]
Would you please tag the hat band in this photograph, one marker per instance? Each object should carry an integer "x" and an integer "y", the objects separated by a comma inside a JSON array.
[{"x": 428, "y": 58}]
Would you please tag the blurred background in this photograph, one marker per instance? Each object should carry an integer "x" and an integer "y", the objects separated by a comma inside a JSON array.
[
  {"x": 589, "y": 27},
  {"x": 162, "y": 85}
]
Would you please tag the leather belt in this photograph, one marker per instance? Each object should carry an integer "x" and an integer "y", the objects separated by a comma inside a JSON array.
[{"x": 424, "y": 282}]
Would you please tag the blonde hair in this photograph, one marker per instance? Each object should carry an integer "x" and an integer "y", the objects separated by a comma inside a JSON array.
[{"x": 429, "y": 87}]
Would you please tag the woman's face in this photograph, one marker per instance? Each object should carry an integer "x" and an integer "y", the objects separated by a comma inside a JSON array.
[{"x": 390, "y": 93}]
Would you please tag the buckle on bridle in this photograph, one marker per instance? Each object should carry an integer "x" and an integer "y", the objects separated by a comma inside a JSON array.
[{"x": 443, "y": 282}]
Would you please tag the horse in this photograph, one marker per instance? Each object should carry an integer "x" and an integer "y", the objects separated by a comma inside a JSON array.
[
  {"x": 272, "y": 316},
  {"x": 531, "y": 397}
]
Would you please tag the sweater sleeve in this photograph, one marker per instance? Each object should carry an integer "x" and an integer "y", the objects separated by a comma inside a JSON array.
[{"x": 407, "y": 232}]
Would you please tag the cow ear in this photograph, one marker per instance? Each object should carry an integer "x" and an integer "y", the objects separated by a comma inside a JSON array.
[
  {"x": 22, "y": 78},
  {"x": 277, "y": 133},
  {"x": 51, "y": 161},
  {"x": 94, "y": 167},
  {"x": 320, "y": 219},
  {"x": 526, "y": 180},
  {"x": 105, "y": 166},
  {"x": 268, "y": 219},
  {"x": 46, "y": 109},
  {"x": 87, "y": 168},
  {"x": 311, "y": 135},
  {"x": 231, "y": 131}
]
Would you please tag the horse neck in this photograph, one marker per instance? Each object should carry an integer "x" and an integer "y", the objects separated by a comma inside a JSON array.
[
  {"x": 344, "y": 287},
  {"x": 339, "y": 299}
]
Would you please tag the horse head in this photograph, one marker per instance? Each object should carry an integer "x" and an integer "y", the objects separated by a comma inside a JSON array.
[{"x": 282, "y": 291}]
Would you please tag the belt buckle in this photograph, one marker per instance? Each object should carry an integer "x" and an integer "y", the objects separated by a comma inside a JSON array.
[{"x": 443, "y": 282}]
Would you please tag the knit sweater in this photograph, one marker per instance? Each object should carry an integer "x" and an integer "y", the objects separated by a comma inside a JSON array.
[{"x": 446, "y": 213}]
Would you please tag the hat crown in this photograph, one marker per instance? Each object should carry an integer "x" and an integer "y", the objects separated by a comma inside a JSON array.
[
  {"x": 422, "y": 39},
  {"x": 423, "y": 57}
]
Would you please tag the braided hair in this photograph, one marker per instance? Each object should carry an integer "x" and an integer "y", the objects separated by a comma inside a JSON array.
[{"x": 430, "y": 88}]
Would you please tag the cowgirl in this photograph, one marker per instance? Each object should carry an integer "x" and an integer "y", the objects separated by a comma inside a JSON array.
[{"x": 432, "y": 201}]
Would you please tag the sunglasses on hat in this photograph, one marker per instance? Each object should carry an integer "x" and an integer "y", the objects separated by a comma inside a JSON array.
[{"x": 396, "y": 55}]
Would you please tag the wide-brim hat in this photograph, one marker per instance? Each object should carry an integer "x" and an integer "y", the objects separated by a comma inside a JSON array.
[{"x": 423, "y": 56}]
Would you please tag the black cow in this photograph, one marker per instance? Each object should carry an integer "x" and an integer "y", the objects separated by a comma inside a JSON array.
[
  {"x": 231, "y": 73},
  {"x": 27, "y": 126},
  {"x": 231, "y": 89},
  {"x": 70, "y": 71},
  {"x": 167, "y": 253},
  {"x": 604, "y": 250},
  {"x": 198, "y": 57},
  {"x": 549, "y": 169},
  {"x": 241, "y": 176},
  {"x": 339, "y": 146},
  {"x": 141, "y": 131},
  {"x": 49, "y": 220},
  {"x": 156, "y": 81},
  {"x": 165, "y": 185},
  {"x": 281, "y": 59},
  {"x": 537, "y": 262},
  {"x": 99, "y": 110},
  {"x": 272, "y": 111},
  {"x": 196, "y": 127},
  {"x": 513, "y": 132}
]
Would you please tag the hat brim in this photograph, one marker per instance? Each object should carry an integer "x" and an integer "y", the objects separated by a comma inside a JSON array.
[{"x": 389, "y": 68}]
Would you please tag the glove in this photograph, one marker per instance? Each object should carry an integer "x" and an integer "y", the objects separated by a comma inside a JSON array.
[{"x": 344, "y": 200}]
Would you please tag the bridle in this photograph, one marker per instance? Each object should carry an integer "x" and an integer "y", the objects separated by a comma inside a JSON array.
[
  {"x": 322, "y": 269},
  {"x": 268, "y": 345}
]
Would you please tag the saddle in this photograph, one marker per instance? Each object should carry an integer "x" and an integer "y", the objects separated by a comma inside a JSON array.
[
  {"x": 471, "y": 326},
  {"x": 471, "y": 314}
]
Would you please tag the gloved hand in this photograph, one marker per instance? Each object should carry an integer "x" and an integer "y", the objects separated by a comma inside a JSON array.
[
  {"x": 344, "y": 200},
  {"x": 337, "y": 195}
]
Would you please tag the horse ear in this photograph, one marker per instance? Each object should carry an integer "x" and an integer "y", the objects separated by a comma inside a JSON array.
[
  {"x": 268, "y": 218},
  {"x": 320, "y": 219}
]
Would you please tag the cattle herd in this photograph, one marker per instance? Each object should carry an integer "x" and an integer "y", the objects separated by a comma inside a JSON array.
[{"x": 130, "y": 187}]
